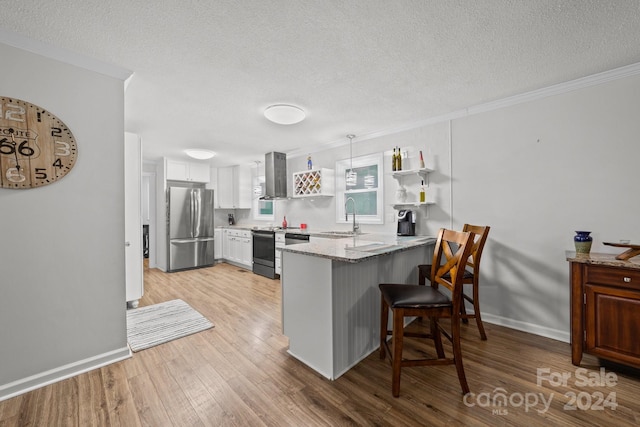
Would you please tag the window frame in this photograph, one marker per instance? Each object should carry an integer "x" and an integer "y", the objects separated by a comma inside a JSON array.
[
  {"x": 341, "y": 192},
  {"x": 259, "y": 181}
]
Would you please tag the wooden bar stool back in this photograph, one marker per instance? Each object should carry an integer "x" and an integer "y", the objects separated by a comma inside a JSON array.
[
  {"x": 471, "y": 275},
  {"x": 451, "y": 255}
]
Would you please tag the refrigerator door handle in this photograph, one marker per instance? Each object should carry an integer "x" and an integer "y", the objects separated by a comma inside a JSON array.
[
  {"x": 192, "y": 204},
  {"x": 177, "y": 241},
  {"x": 199, "y": 239},
  {"x": 196, "y": 195}
]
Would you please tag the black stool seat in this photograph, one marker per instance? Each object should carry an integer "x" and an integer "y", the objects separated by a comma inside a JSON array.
[{"x": 412, "y": 296}]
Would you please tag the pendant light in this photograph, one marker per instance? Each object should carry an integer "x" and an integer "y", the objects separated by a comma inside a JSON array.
[
  {"x": 369, "y": 181},
  {"x": 351, "y": 178}
]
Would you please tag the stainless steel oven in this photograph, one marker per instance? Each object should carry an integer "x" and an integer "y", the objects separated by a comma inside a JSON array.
[{"x": 264, "y": 253}]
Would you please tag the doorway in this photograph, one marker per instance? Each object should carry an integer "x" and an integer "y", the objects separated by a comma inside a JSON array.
[{"x": 148, "y": 195}]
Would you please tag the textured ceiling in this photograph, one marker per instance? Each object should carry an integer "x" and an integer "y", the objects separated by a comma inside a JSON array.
[{"x": 205, "y": 70}]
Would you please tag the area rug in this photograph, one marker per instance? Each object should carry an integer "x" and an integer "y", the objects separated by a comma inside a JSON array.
[{"x": 160, "y": 323}]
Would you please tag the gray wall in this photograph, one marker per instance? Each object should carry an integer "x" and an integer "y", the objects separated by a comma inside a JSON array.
[{"x": 62, "y": 275}]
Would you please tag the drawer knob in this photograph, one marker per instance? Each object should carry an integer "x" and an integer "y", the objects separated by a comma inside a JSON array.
[{"x": 627, "y": 279}]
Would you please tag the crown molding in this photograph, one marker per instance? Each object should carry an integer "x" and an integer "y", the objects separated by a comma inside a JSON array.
[
  {"x": 557, "y": 89},
  {"x": 63, "y": 55},
  {"x": 560, "y": 88}
]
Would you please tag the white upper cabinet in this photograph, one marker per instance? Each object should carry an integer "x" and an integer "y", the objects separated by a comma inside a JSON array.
[
  {"x": 199, "y": 172},
  {"x": 234, "y": 187},
  {"x": 188, "y": 171},
  {"x": 225, "y": 188}
]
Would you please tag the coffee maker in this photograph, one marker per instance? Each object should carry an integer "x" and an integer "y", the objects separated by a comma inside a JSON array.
[
  {"x": 406, "y": 223},
  {"x": 232, "y": 220}
]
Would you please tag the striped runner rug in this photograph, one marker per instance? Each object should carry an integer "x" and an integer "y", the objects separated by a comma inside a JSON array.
[{"x": 160, "y": 323}]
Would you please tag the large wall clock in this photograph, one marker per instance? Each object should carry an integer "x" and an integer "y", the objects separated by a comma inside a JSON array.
[{"x": 36, "y": 147}]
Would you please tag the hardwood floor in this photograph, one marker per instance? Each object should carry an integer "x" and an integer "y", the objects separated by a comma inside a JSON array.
[{"x": 239, "y": 374}]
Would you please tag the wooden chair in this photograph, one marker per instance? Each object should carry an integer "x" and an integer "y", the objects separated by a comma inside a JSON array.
[
  {"x": 451, "y": 254},
  {"x": 471, "y": 275}
]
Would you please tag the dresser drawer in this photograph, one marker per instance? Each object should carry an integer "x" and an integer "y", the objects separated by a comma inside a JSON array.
[{"x": 613, "y": 276}]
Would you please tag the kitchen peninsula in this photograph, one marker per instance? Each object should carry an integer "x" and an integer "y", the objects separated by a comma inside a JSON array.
[{"x": 330, "y": 296}]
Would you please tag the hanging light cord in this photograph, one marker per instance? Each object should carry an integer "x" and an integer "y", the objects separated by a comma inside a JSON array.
[{"x": 350, "y": 136}]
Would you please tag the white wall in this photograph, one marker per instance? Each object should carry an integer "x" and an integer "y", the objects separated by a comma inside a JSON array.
[
  {"x": 535, "y": 172},
  {"x": 62, "y": 275}
]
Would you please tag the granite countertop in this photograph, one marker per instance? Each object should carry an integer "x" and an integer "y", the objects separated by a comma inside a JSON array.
[
  {"x": 251, "y": 227},
  {"x": 603, "y": 259},
  {"x": 360, "y": 247},
  {"x": 297, "y": 230}
]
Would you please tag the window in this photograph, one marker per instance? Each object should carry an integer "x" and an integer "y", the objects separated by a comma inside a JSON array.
[
  {"x": 262, "y": 209},
  {"x": 367, "y": 192}
]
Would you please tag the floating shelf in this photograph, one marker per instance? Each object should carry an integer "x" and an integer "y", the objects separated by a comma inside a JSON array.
[
  {"x": 399, "y": 206},
  {"x": 420, "y": 172}
]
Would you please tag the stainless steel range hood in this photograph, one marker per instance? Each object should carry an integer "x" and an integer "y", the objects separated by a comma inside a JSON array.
[{"x": 275, "y": 176}]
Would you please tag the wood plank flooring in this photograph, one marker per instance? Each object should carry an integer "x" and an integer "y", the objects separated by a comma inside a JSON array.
[{"x": 239, "y": 374}]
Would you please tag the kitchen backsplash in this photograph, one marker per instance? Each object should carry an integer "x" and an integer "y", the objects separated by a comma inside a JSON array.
[{"x": 320, "y": 213}]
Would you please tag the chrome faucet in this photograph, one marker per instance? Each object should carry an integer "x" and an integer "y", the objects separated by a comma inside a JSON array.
[{"x": 356, "y": 227}]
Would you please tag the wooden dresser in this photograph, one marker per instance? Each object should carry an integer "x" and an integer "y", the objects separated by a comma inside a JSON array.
[{"x": 605, "y": 308}]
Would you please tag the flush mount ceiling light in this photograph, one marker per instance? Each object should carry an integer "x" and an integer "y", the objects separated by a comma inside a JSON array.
[
  {"x": 284, "y": 114},
  {"x": 200, "y": 154}
]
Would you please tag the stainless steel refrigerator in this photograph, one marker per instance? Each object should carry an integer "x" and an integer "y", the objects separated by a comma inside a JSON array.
[{"x": 190, "y": 229}]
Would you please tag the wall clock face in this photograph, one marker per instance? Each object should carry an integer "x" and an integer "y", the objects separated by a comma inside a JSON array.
[{"x": 36, "y": 147}]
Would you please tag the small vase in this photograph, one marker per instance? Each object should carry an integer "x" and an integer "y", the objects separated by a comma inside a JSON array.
[
  {"x": 401, "y": 195},
  {"x": 583, "y": 241}
]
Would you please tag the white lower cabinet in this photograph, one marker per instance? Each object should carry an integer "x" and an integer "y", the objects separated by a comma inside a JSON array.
[
  {"x": 280, "y": 242},
  {"x": 218, "y": 251},
  {"x": 246, "y": 251},
  {"x": 226, "y": 244},
  {"x": 238, "y": 247}
]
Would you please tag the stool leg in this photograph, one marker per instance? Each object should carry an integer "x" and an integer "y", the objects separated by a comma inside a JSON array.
[
  {"x": 463, "y": 310},
  {"x": 398, "y": 337},
  {"x": 457, "y": 354},
  {"x": 476, "y": 312},
  {"x": 421, "y": 277},
  {"x": 384, "y": 320},
  {"x": 437, "y": 337}
]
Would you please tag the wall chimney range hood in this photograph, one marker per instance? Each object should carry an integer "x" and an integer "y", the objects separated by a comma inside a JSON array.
[{"x": 275, "y": 171}]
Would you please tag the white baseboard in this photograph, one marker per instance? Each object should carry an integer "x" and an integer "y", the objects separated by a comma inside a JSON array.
[
  {"x": 51, "y": 376},
  {"x": 531, "y": 328}
]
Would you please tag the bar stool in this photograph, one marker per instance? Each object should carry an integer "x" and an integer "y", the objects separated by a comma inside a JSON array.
[
  {"x": 451, "y": 255},
  {"x": 471, "y": 275}
]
